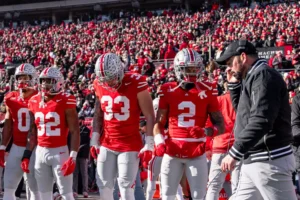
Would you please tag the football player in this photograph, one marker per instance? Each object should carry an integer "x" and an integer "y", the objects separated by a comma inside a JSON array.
[
  {"x": 120, "y": 100},
  {"x": 186, "y": 104},
  {"x": 52, "y": 116},
  {"x": 17, "y": 126}
]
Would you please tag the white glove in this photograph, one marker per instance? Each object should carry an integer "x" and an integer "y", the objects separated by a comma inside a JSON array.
[{"x": 149, "y": 144}]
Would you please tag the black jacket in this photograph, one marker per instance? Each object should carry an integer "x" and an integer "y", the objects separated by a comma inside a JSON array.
[
  {"x": 84, "y": 148},
  {"x": 296, "y": 120},
  {"x": 263, "y": 122},
  {"x": 296, "y": 128}
]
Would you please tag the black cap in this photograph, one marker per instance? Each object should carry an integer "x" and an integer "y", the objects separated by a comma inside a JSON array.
[{"x": 236, "y": 48}]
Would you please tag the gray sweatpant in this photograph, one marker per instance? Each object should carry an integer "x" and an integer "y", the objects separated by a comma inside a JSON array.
[
  {"x": 82, "y": 166},
  {"x": 267, "y": 180},
  {"x": 217, "y": 177}
]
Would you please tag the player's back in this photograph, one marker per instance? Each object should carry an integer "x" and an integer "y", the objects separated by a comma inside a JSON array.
[
  {"x": 50, "y": 119},
  {"x": 121, "y": 113},
  {"x": 19, "y": 112}
]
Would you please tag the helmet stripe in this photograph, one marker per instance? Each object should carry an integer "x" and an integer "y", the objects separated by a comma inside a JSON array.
[
  {"x": 22, "y": 67},
  {"x": 191, "y": 53},
  {"x": 46, "y": 70},
  {"x": 101, "y": 65}
]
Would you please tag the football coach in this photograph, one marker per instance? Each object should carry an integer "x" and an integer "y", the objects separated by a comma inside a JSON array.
[{"x": 262, "y": 130}]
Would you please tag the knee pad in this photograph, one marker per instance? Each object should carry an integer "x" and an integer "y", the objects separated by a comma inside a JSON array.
[
  {"x": 172, "y": 197},
  {"x": 68, "y": 196},
  {"x": 34, "y": 195},
  {"x": 46, "y": 195},
  {"x": 106, "y": 193},
  {"x": 9, "y": 194},
  {"x": 125, "y": 183}
]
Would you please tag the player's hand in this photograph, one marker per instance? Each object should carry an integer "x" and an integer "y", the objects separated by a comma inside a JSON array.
[
  {"x": 228, "y": 163},
  {"x": 197, "y": 132},
  {"x": 208, "y": 155},
  {"x": 68, "y": 167},
  {"x": 94, "y": 151},
  {"x": 146, "y": 152},
  {"x": 25, "y": 165},
  {"x": 160, "y": 145},
  {"x": 2, "y": 158},
  {"x": 160, "y": 149},
  {"x": 145, "y": 157}
]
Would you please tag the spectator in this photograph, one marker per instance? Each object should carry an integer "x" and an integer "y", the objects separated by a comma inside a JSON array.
[
  {"x": 86, "y": 110},
  {"x": 82, "y": 160}
]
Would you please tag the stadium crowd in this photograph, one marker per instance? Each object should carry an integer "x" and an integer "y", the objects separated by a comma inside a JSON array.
[{"x": 148, "y": 44}]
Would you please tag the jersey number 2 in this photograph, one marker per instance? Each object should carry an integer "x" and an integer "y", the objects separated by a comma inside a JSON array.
[
  {"x": 191, "y": 113},
  {"x": 109, "y": 114},
  {"x": 48, "y": 126}
]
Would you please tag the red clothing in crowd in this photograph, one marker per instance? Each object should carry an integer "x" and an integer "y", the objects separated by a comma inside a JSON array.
[
  {"x": 170, "y": 53},
  {"x": 223, "y": 142}
]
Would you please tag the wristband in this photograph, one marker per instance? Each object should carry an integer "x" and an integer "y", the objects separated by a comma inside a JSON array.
[
  {"x": 26, "y": 154},
  {"x": 159, "y": 139},
  {"x": 2, "y": 147},
  {"x": 149, "y": 140},
  {"x": 73, "y": 155},
  {"x": 95, "y": 139}
]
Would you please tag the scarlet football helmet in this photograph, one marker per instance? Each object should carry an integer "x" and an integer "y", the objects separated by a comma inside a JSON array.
[
  {"x": 188, "y": 65},
  {"x": 25, "y": 69},
  {"x": 51, "y": 81},
  {"x": 109, "y": 71}
]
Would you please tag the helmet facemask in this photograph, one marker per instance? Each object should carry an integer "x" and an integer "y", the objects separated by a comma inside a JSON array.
[
  {"x": 24, "y": 81},
  {"x": 188, "y": 73},
  {"x": 111, "y": 82},
  {"x": 49, "y": 86}
]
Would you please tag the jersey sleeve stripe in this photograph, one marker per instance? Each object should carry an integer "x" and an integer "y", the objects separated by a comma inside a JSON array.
[
  {"x": 73, "y": 103},
  {"x": 71, "y": 100},
  {"x": 146, "y": 84}
]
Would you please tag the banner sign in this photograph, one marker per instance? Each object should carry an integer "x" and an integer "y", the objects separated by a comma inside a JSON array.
[{"x": 269, "y": 51}]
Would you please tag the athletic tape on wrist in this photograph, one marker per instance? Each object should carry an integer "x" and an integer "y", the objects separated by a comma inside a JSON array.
[
  {"x": 73, "y": 154},
  {"x": 159, "y": 139},
  {"x": 2, "y": 147}
]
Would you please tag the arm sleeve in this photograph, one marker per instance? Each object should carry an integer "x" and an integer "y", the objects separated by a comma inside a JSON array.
[
  {"x": 296, "y": 120},
  {"x": 266, "y": 95}
]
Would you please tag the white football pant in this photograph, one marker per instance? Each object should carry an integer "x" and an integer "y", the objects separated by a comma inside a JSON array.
[
  {"x": 109, "y": 164},
  {"x": 48, "y": 164},
  {"x": 172, "y": 169},
  {"x": 13, "y": 174}
]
